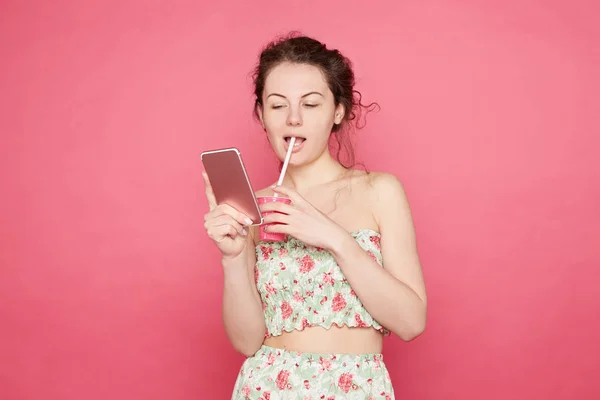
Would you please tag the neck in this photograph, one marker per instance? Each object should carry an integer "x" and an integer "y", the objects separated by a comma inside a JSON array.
[{"x": 323, "y": 170}]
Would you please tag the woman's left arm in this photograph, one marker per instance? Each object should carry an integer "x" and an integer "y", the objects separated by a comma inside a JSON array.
[{"x": 394, "y": 295}]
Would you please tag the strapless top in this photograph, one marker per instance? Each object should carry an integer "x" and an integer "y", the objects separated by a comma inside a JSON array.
[{"x": 302, "y": 286}]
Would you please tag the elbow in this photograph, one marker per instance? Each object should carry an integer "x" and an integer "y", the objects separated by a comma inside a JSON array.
[
  {"x": 245, "y": 350},
  {"x": 246, "y": 340},
  {"x": 248, "y": 346},
  {"x": 411, "y": 330}
]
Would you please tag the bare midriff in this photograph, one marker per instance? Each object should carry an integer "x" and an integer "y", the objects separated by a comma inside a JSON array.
[{"x": 335, "y": 340}]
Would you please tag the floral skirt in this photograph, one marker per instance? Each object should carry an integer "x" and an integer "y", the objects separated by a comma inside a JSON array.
[{"x": 277, "y": 374}]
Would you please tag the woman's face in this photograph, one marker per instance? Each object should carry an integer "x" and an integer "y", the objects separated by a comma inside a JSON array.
[{"x": 297, "y": 102}]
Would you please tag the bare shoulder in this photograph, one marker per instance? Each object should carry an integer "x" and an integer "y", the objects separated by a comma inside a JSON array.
[
  {"x": 387, "y": 183},
  {"x": 385, "y": 186},
  {"x": 387, "y": 193}
]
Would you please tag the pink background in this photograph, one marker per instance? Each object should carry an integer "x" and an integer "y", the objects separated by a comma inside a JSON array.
[{"x": 109, "y": 288}]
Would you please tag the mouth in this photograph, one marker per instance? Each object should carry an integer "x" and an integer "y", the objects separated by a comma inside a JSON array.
[{"x": 298, "y": 144}]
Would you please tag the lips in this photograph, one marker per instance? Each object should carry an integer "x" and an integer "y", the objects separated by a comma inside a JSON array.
[
  {"x": 298, "y": 144},
  {"x": 299, "y": 140}
]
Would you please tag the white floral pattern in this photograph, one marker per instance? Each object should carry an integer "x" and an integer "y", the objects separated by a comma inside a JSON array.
[
  {"x": 276, "y": 374},
  {"x": 303, "y": 286}
]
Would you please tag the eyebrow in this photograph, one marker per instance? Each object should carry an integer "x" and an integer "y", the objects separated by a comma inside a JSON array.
[{"x": 307, "y": 94}]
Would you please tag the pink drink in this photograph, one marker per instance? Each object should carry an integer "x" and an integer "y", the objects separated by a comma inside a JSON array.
[{"x": 271, "y": 236}]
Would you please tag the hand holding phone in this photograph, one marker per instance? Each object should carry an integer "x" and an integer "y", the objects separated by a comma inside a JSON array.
[
  {"x": 233, "y": 205},
  {"x": 226, "y": 226}
]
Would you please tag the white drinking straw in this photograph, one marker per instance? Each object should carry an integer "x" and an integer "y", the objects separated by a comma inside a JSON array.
[{"x": 285, "y": 163}]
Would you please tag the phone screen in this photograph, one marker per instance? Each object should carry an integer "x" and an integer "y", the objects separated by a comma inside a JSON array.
[{"x": 230, "y": 182}]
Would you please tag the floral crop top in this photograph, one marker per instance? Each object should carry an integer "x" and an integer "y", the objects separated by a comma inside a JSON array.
[{"x": 302, "y": 285}]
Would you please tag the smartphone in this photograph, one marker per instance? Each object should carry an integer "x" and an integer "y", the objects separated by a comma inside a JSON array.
[{"x": 230, "y": 182}]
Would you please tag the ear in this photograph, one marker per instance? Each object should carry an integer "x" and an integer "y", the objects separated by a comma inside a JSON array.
[
  {"x": 259, "y": 111},
  {"x": 339, "y": 114}
]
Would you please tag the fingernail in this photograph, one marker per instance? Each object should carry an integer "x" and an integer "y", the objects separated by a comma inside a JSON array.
[
  {"x": 248, "y": 221},
  {"x": 244, "y": 231}
]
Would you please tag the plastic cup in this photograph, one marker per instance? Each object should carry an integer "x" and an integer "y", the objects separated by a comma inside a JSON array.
[{"x": 271, "y": 236}]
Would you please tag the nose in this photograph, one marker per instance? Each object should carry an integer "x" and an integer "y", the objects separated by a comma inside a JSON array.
[{"x": 294, "y": 117}]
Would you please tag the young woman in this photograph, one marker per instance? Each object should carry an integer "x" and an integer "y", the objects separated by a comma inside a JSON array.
[{"x": 310, "y": 312}]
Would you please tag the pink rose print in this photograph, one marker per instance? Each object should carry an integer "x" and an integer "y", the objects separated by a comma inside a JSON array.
[
  {"x": 304, "y": 323},
  {"x": 325, "y": 364},
  {"x": 359, "y": 322},
  {"x": 282, "y": 379},
  {"x": 323, "y": 300},
  {"x": 256, "y": 275},
  {"x": 377, "y": 362},
  {"x": 338, "y": 302},
  {"x": 246, "y": 391},
  {"x": 328, "y": 278},
  {"x": 306, "y": 264},
  {"x": 298, "y": 297},
  {"x": 376, "y": 240},
  {"x": 266, "y": 396},
  {"x": 266, "y": 252},
  {"x": 345, "y": 382},
  {"x": 283, "y": 252},
  {"x": 269, "y": 287},
  {"x": 306, "y": 384},
  {"x": 372, "y": 256},
  {"x": 286, "y": 310}
]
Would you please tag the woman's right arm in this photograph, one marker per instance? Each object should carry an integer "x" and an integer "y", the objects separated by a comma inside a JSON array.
[
  {"x": 242, "y": 307},
  {"x": 243, "y": 316}
]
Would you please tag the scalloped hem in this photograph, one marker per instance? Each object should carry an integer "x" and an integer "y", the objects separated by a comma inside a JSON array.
[{"x": 288, "y": 329}]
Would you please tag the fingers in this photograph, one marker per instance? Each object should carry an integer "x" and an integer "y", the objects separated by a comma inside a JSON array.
[
  {"x": 221, "y": 232},
  {"x": 225, "y": 221},
  {"x": 224, "y": 225},
  {"x": 277, "y": 207},
  {"x": 278, "y": 228},
  {"x": 291, "y": 193},
  {"x": 224, "y": 209},
  {"x": 276, "y": 218},
  {"x": 210, "y": 195}
]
